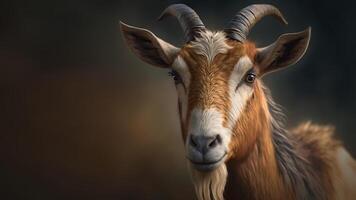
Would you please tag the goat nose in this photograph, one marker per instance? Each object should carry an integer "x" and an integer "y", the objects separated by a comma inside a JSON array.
[{"x": 205, "y": 143}]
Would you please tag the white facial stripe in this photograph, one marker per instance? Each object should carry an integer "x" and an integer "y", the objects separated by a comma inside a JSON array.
[
  {"x": 209, "y": 122},
  {"x": 183, "y": 99},
  {"x": 240, "y": 96},
  {"x": 181, "y": 67}
]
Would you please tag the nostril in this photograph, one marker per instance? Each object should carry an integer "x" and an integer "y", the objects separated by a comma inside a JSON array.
[
  {"x": 217, "y": 140},
  {"x": 213, "y": 143},
  {"x": 192, "y": 142}
]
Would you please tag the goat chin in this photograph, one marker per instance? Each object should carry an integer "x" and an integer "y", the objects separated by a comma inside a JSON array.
[{"x": 209, "y": 185}]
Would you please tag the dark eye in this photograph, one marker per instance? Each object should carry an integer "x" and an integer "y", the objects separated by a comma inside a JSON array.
[
  {"x": 177, "y": 79},
  {"x": 250, "y": 78}
]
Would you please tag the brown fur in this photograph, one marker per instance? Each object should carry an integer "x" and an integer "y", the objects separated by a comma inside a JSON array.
[
  {"x": 253, "y": 167},
  {"x": 265, "y": 161},
  {"x": 263, "y": 164},
  {"x": 318, "y": 147},
  {"x": 209, "y": 87}
]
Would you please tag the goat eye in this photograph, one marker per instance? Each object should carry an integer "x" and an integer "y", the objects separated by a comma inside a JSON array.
[
  {"x": 177, "y": 79},
  {"x": 250, "y": 77}
]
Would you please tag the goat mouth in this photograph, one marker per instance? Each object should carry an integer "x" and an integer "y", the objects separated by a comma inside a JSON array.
[{"x": 207, "y": 166}]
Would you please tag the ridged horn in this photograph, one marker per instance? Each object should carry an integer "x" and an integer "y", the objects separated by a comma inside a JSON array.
[
  {"x": 187, "y": 18},
  {"x": 240, "y": 26}
]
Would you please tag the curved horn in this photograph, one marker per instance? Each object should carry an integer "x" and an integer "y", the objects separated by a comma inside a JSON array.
[
  {"x": 240, "y": 26},
  {"x": 187, "y": 17}
]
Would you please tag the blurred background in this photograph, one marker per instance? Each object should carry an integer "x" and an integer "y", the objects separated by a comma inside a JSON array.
[{"x": 83, "y": 118}]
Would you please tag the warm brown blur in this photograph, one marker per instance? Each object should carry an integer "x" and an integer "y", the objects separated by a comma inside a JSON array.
[{"x": 83, "y": 118}]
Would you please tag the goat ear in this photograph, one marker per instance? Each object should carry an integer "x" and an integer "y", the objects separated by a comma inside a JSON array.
[
  {"x": 287, "y": 50},
  {"x": 149, "y": 47}
]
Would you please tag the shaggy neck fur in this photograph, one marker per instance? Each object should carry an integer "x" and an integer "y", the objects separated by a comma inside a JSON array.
[{"x": 274, "y": 169}]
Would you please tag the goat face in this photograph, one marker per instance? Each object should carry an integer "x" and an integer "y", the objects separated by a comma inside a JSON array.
[{"x": 216, "y": 74}]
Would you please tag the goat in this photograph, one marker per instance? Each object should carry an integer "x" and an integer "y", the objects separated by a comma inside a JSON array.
[{"x": 235, "y": 143}]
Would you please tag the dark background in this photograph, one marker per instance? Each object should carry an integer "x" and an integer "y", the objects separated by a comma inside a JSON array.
[{"x": 83, "y": 118}]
